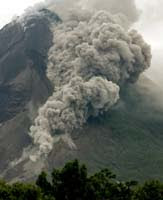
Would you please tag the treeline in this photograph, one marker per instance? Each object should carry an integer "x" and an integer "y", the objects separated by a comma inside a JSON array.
[{"x": 72, "y": 182}]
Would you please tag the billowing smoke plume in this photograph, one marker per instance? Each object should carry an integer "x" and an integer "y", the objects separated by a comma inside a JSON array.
[{"x": 91, "y": 58}]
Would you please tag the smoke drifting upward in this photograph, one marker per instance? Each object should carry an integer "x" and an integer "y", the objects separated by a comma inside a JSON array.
[
  {"x": 91, "y": 58},
  {"x": 127, "y": 7}
]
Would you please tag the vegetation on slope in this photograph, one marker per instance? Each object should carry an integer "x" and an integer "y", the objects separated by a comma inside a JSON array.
[{"x": 73, "y": 183}]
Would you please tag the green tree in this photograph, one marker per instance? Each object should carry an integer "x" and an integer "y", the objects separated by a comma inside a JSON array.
[
  {"x": 100, "y": 185},
  {"x": 123, "y": 190},
  {"x": 5, "y": 191},
  {"x": 70, "y": 182},
  {"x": 73, "y": 183},
  {"x": 45, "y": 186},
  {"x": 151, "y": 190},
  {"x": 20, "y": 191}
]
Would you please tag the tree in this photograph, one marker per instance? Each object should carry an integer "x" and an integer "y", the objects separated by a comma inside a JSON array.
[
  {"x": 5, "y": 191},
  {"x": 20, "y": 191},
  {"x": 73, "y": 183},
  {"x": 45, "y": 185},
  {"x": 100, "y": 185},
  {"x": 70, "y": 182},
  {"x": 151, "y": 190}
]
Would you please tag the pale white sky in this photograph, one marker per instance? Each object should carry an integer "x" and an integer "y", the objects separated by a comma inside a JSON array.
[
  {"x": 150, "y": 26},
  {"x": 10, "y": 8},
  {"x": 151, "y": 22}
]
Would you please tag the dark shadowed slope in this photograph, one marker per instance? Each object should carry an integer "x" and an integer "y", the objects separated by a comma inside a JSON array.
[{"x": 23, "y": 84}]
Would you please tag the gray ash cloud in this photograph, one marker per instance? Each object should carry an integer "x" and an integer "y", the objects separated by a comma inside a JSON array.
[{"x": 92, "y": 56}]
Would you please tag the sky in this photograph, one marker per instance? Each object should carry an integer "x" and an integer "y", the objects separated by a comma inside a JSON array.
[
  {"x": 10, "y": 8},
  {"x": 151, "y": 17},
  {"x": 151, "y": 21},
  {"x": 150, "y": 24}
]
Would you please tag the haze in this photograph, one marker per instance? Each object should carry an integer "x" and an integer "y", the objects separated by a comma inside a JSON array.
[
  {"x": 150, "y": 25},
  {"x": 9, "y": 8}
]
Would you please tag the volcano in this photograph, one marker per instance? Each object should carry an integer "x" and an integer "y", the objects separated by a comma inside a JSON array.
[{"x": 128, "y": 138}]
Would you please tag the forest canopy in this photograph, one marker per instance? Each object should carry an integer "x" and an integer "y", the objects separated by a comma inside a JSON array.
[{"x": 73, "y": 182}]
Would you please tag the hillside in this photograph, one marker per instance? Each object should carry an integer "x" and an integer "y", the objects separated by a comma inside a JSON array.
[{"x": 128, "y": 139}]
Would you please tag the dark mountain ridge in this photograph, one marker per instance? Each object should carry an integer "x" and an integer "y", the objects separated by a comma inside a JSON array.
[{"x": 23, "y": 83}]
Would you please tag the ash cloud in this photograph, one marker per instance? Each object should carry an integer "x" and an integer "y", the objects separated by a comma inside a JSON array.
[
  {"x": 127, "y": 9},
  {"x": 92, "y": 57}
]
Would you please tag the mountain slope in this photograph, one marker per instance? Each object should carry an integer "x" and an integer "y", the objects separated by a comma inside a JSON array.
[
  {"x": 128, "y": 139},
  {"x": 23, "y": 84}
]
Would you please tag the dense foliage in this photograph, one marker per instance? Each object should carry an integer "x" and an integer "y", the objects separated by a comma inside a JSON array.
[{"x": 72, "y": 182}]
